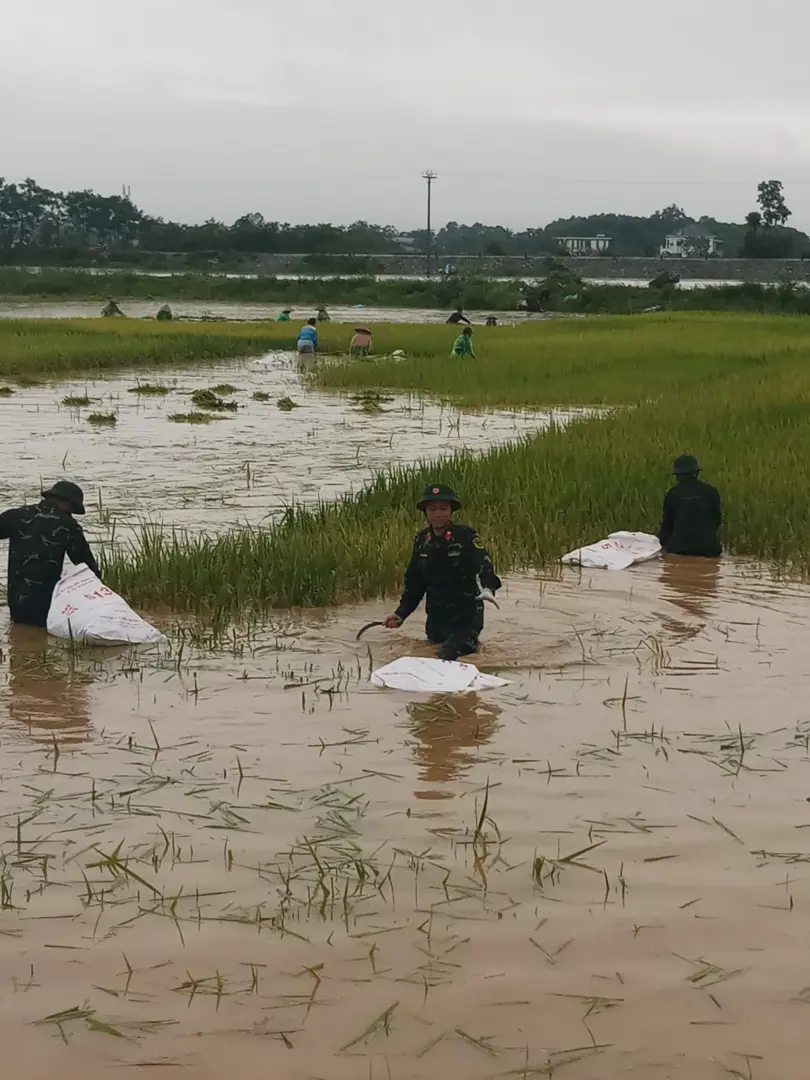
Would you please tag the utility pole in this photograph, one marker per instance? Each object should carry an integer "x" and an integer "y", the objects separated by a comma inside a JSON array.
[{"x": 429, "y": 176}]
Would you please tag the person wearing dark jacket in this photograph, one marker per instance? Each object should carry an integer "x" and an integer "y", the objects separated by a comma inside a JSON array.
[
  {"x": 39, "y": 537},
  {"x": 692, "y": 513},
  {"x": 457, "y": 317},
  {"x": 446, "y": 563}
]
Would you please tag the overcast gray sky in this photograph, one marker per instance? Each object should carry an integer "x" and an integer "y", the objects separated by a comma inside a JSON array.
[{"x": 329, "y": 110}]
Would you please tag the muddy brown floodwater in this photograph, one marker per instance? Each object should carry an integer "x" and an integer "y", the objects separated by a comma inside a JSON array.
[
  {"x": 195, "y": 309},
  {"x": 244, "y": 466},
  {"x": 251, "y": 863}
]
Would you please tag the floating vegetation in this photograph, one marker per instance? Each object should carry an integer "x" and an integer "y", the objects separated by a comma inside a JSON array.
[
  {"x": 6, "y": 391},
  {"x": 261, "y": 395},
  {"x": 224, "y": 388},
  {"x": 286, "y": 404},
  {"x": 74, "y": 401},
  {"x": 102, "y": 419},
  {"x": 208, "y": 399},
  {"x": 157, "y": 389},
  {"x": 193, "y": 418},
  {"x": 370, "y": 401}
]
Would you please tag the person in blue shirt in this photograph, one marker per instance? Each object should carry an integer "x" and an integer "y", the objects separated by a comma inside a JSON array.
[{"x": 308, "y": 338}]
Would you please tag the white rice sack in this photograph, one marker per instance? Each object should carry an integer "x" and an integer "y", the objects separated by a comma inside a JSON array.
[
  {"x": 617, "y": 552},
  {"x": 85, "y": 610}
]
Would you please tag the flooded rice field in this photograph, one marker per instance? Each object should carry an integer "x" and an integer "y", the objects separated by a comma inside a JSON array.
[
  {"x": 248, "y": 312},
  {"x": 246, "y": 861},
  {"x": 244, "y": 466}
]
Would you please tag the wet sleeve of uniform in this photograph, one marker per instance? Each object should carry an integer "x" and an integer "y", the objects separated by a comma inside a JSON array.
[
  {"x": 414, "y": 587},
  {"x": 667, "y": 520},
  {"x": 482, "y": 561},
  {"x": 79, "y": 550},
  {"x": 6, "y": 524}
]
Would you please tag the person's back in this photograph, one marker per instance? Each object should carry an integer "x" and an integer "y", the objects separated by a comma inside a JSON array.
[
  {"x": 308, "y": 337},
  {"x": 40, "y": 536},
  {"x": 692, "y": 514}
]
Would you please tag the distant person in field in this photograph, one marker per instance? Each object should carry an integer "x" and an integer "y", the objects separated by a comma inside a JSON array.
[
  {"x": 361, "y": 341},
  {"x": 285, "y": 315},
  {"x": 692, "y": 513},
  {"x": 308, "y": 338},
  {"x": 462, "y": 346},
  {"x": 323, "y": 315},
  {"x": 457, "y": 317},
  {"x": 40, "y": 536},
  {"x": 492, "y": 320}
]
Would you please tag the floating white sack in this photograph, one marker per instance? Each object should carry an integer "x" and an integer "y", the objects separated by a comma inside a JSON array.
[
  {"x": 620, "y": 550},
  {"x": 424, "y": 674},
  {"x": 87, "y": 611}
]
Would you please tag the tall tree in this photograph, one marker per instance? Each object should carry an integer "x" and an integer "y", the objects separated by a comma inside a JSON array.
[{"x": 772, "y": 203}]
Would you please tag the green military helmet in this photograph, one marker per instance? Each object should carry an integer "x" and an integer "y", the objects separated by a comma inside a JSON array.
[
  {"x": 70, "y": 492},
  {"x": 685, "y": 465},
  {"x": 439, "y": 493}
]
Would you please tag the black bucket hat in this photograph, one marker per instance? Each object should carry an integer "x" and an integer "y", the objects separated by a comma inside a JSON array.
[
  {"x": 439, "y": 493},
  {"x": 685, "y": 465},
  {"x": 70, "y": 492}
]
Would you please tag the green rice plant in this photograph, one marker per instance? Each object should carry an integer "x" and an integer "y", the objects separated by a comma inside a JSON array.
[
  {"x": 74, "y": 401},
  {"x": 193, "y": 418},
  {"x": 286, "y": 404},
  {"x": 6, "y": 391},
  {"x": 735, "y": 391},
  {"x": 224, "y": 388},
  {"x": 102, "y": 419},
  {"x": 261, "y": 395},
  {"x": 54, "y": 347}
]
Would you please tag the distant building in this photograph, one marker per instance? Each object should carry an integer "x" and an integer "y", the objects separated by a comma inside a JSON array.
[
  {"x": 586, "y": 245},
  {"x": 691, "y": 243}
]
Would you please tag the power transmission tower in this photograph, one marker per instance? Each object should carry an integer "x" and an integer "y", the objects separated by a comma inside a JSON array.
[{"x": 429, "y": 176}]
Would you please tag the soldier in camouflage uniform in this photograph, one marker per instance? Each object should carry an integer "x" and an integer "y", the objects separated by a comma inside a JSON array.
[
  {"x": 446, "y": 563},
  {"x": 39, "y": 538}
]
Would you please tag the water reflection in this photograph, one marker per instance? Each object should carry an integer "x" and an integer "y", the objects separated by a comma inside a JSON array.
[
  {"x": 691, "y": 584},
  {"x": 43, "y": 692},
  {"x": 448, "y": 726}
]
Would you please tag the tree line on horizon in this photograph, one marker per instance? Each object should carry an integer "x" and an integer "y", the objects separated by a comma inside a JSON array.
[{"x": 70, "y": 227}]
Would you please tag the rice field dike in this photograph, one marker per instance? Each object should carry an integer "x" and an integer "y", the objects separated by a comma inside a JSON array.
[{"x": 733, "y": 390}]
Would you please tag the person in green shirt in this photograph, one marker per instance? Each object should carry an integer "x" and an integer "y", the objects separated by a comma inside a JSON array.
[
  {"x": 285, "y": 315},
  {"x": 462, "y": 346}
]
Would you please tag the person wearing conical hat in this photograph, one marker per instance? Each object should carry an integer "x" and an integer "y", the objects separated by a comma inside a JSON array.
[
  {"x": 447, "y": 562},
  {"x": 692, "y": 513},
  {"x": 40, "y": 536}
]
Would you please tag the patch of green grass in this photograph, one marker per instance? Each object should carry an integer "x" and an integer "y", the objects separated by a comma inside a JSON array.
[
  {"x": 74, "y": 401},
  {"x": 224, "y": 388},
  {"x": 286, "y": 404},
  {"x": 261, "y": 395},
  {"x": 102, "y": 419},
  {"x": 6, "y": 391}
]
